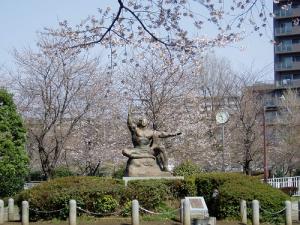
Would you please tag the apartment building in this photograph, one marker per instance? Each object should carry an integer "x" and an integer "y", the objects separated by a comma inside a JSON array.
[
  {"x": 286, "y": 54},
  {"x": 287, "y": 43},
  {"x": 286, "y": 24}
]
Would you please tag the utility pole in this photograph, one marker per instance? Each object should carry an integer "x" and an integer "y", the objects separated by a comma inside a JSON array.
[
  {"x": 221, "y": 118},
  {"x": 266, "y": 175}
]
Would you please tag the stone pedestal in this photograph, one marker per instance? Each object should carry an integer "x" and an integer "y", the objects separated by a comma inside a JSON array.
[{"x": 144, "y": 167}]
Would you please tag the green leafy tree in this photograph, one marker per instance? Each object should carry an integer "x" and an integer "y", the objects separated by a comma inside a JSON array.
[{"x": 13, "y": 157}]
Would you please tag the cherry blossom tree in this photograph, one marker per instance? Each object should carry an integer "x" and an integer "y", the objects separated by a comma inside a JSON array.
[
  {"x": 155, "y": 84},
  {"x": 211, "y": 93},
  {"x": 55, "y": 92},
  {"x": 100, "y": 137},
  {"x": 177, "y": 25},
  {"x": 246, "y": 127},
  {"x": 286, "y": 150}
]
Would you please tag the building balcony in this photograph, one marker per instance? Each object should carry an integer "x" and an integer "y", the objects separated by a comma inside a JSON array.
[
  {"x": 280, "y": 49},
  {"x": 287, "y": 13},
  {"x": 287, "y": 66},
  {"x": 288, "y": 83},
  {"x": 288, "y": 30}
]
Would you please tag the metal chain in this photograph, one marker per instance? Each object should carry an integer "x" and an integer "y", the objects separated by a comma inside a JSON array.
[
  {"x": 98, "y": 214},
  {"x": 53, "y": 211},
  {"x": 273, "y": 213},
  {"x": 156, "y": 213}
]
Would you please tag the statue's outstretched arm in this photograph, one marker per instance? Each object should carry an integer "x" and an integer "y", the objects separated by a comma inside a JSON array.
[
  {"x": 162, "y": 134},
  {"x": 130, "y": 123}
]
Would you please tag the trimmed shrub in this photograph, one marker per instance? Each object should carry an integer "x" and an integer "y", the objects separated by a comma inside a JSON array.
[
  {"x": 234, "y": 187},
  {"x": 289, "y": 190},
  {"x": 187, "y": 168},
  {"x": 120, "y": 172},
  {"x": 152, "y": 194},
  {"x": 13, "y": 157},
  {"x": 106, "y": 195},
  {"x": 149, "y": 193},
  {"x": 105, "y": 204},
  {"x": 182, "y": 188},
  {"x": 95, "y": 194},
  {"x": 62, "y": 171},
  {"x": 103, "y": 195}
]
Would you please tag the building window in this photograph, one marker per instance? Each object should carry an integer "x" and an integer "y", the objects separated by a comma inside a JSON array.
[
  {"x": 282, "y": 28},
  {"x": 284, "y": 45},
  {"x": 286, "y": 11},
  {"x": 295, "y": 5},
  {"x": 285, "y": 62},
  {"x": 296, "y": 76},
  {"x": 296, "y": 41},
  {"x": 296, "y": 58},
  {"x": 287, "y": 77}
]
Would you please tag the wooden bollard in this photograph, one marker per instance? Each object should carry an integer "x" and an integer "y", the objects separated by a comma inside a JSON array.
[
  {"x": 25, "y": 213},
  {"x": 243, "y": 211},
  {"x": 135, "y": 212},
  {"x": 186, "y": 212},
  {"x": 288, "y": 213},
  {"x": 1, "y": 212},
  {"x": 72, "y": 212},
  {"x": 11, "y": 210},
  {"x": 255, "y": 211}
]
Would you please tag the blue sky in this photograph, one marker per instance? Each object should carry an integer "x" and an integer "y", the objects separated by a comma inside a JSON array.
[{"x": 20, "y": 20}]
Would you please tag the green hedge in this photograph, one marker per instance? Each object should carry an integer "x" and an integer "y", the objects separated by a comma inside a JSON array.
[
  {"x": 234, "y": 187},
  {"x": 108, "y": 195},
  {"x": 153, "y": 193},
  {"x": 95, "y": 194},
  {"x": 187, "y": 168},
  {"x": 103, "y": 195}
]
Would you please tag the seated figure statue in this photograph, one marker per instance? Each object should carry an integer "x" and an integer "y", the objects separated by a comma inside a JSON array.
[{"x": 148, "y": 157}]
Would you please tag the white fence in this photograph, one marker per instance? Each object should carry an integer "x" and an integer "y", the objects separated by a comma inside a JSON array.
[{"x": 282, "y": 182}]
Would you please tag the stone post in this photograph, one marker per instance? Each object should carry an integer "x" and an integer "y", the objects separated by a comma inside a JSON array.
[
  {"x": 1, "y": 212},
  {"x": 298, "y": 187},
  {"x": 72, "y": 212},
  {"x": 181, "y": 210},
  {"x": 243, "y": 211},
  {"x": 25, "y": 213},
  {"x": 288, "y": 213},
  {"x": 255, "y": 210},
  {"x": 135, "y": 212},
  {"x": 11, "y": 209},
  {"x": 186, "y": 212},
  {"x": 299, "y": 209}
]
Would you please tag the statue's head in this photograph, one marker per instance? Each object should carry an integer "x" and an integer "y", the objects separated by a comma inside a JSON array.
[{"x": 143, "y": 122}]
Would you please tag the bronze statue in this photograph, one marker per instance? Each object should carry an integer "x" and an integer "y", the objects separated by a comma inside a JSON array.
[{"x": 148, "y": 157}]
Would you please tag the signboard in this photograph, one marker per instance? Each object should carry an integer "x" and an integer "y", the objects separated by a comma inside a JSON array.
[{"x": 198, "y": 208}]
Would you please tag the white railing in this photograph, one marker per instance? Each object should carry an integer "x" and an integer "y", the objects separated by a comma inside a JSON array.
[
  {"x": 282, "y": 182},
  {"x": 31, "y": 184}
]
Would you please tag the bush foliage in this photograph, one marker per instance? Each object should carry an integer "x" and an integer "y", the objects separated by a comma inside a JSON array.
[
  {"x": 62, "y": 171},
  {"x": 13, "y": 157},
  {"x": 91, "y": 193},
  {"x": 106, "y": 195},
  {"x": 186, "y": 168},
  {"x": 234, "y": 187}
]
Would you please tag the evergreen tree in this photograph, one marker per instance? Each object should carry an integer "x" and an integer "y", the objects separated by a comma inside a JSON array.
[{"x": 13, "y": 157}]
